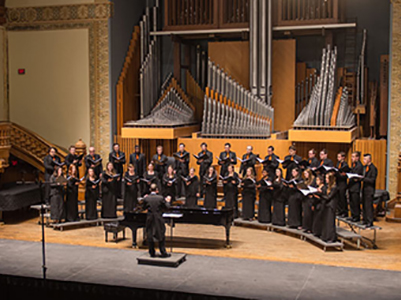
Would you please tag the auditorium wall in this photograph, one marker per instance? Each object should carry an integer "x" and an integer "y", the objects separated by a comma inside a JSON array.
[
  {"x": 64, "y": 49},
  {"x": 52, "y": 98},
  {"x": 28, "y": 3}
]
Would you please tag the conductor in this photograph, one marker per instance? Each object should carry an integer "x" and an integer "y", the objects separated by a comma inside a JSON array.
[{"x": 155, "y": 227}]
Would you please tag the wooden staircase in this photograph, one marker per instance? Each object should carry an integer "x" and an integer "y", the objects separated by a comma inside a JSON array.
[{"x": 24, "y": 144}]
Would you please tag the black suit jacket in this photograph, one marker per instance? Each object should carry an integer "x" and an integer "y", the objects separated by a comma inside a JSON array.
[
  {"x": 224, "y": 165},
  {"x": 291, "y": 166},
  {"x": 205, "y": 164},
  {"x": 271, "y": 168},
  {"x": 49, "y": 165},
  {"x": 98, "y": 169},
  {"x": 327, "y": 162},
  {"x": 155, "y": 227},
  {"x": 369, "y": 181},
  {"x": 354, "y": 184},
  {"x": 139, "y": 162},
  {"x": 182, "y": 168},
  {"x": 117, "y": 164},
  {"x": 313, "y": 162},
  {"x": 249, "y": 164}
]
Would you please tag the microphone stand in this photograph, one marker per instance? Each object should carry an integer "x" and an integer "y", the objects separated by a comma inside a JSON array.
[{"x": 42, "y": 212}]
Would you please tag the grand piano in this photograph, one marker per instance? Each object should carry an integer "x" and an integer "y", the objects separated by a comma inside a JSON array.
[{"x": 223, "y": 217}]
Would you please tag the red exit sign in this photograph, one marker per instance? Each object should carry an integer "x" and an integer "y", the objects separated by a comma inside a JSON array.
[{"x": 21, "y": 71}]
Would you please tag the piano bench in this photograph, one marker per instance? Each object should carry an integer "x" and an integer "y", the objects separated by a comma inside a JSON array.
[{"x": 114, "y": 228}]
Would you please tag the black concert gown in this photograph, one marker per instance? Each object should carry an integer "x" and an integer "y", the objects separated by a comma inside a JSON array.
[
  {"x": 210, "y": 199},
  {"x": 265, "y": 202},
  {"x": 248, "y": 199},
  {"x": 109, "y": 197},
  {"x": 294, "y": 207},
  {"x": 318, "y": 204},
  {"x": 231, "y": 194},
  {"x": 91, "y": 197},
  {"x": 307, "y": 204},
  {"x": 191, "y": 199},
  {"x": 329, "y": 215},
  {"x": 57, "y": 192},
  {"x": 71, "y": 202},
  {"x": 130, "y": 192},
  {"x": 278, "y": 217},
  {"x": 169, "y": 190},
  {"x": 154, "y": 178}
]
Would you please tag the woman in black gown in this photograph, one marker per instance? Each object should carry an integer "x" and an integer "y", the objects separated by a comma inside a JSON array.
[
  {"x": 210, "y": 188},
  {"x": 265, "y": 187},
  {"x": 131, "y": 181},
  {"x": 91, "y": 195},
  {"x": 149, "y": 177},
  {"x": 191, "y": 189},
  {"x": 278, "y": 217},
  {"x": 57, "y": 192},
  {"x": 329, "y": 212},
  {"x": 231, "y": 181},
  {"x": 109, "y": 190},
  {"x": 307, "y": 202},
  {"x": 72, "y": 195},
  {"x": 318, "y": 207},
  {"x": 294, "y": 201},
  {"x": 169, "y": 184},
  {"x": 248, "y": 195}
]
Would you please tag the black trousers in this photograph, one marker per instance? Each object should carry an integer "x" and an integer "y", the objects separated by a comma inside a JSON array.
[
  {"x": 342, "y": 205},
  {"x": 367, "y": 207},
  {"x": 162, "y": 247},
  {"x": 355, "y": 205}
]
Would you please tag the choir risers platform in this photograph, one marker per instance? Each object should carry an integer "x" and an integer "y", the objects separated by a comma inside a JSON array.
[
  {"x": 83, "y": 223},
  {"x": 173, "y": 261},
  {"x": 349, "y": 237},
  {"x": 357, "y": 228},
  {"x": 300, "y": 233}
]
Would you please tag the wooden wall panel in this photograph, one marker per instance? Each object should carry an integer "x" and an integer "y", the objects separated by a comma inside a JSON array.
[
  {"x": 233, "y": 57},
  {"x": 283, "y": 81},
  {"x": 301, "y": 72},
  {"x": 378, "y": 150}
]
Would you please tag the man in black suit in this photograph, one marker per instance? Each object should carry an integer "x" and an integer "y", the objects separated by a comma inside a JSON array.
[
  {"x": 227, "y": 157},
  {"x": 273, "y": 165},
  {"x": 160, "y": 162},
  {"x": 342, "y": 205},
  {"x": 292, "y": 158},
  {"x": 90, "y": 159},
  {"x": 50, "y": 162},
  {"x": 117, "y": 158},
  {"x": 138, "y": 160},
  {"x": 204, "y": 163},
  {"x": 324, "y": 161},
  {"x": 354, "y": 187},
  {"x": 250, "y": 161},
  {"x": 155, "y": 227},
  {"x": 73, "y": 159},
  {"x": 312, "y": 160},
  {"x": 368, "y": 191}
]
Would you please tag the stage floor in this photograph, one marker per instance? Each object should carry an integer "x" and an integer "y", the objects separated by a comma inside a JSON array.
[
  {"x": 241, "y": 278},
  {"x": 246, "y": 243}
]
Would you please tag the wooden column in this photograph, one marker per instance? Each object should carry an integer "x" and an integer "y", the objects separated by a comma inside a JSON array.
[
  {"x": 4, "y": 99},
  {"x": 81, "y": 149},
  {"x": 394, "y": 131},
  {"x": 177, "y": 59}
]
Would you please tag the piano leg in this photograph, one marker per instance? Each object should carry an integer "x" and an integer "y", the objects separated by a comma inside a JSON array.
[
  {"x": 134, "y": 244},
  {"x": 228, "y": 245}
]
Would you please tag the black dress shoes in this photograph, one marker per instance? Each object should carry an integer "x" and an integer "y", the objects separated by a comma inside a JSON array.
[{"x": 165, "y": 255}]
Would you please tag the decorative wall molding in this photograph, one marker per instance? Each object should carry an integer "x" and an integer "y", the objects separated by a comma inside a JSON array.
[
  {"x": 94, "y": 17},
  {"x": 57, "y": 14},
  {"x": 395, "y": 99}
]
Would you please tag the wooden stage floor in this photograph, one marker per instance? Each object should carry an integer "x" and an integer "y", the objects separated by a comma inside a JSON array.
[{"x": 246, "y": 243}]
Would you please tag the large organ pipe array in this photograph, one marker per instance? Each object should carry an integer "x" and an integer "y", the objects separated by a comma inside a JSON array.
[
  {"x": 323, "y": 109},
  {"x": 232, "y": 111},
  {"x": 171, "y": 110},
  {"x": 150, "y": 60},
  {"x": 260, "y": 48}
]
